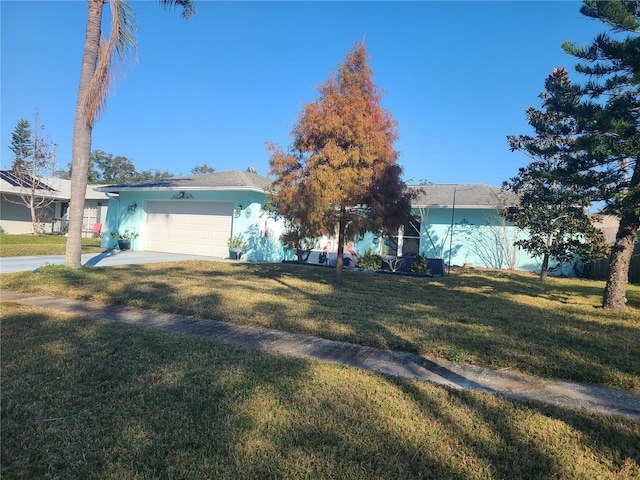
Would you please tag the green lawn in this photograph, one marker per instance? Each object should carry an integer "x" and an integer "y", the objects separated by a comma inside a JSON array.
[
  {"x": 24, "y": 245},
  {"x": 83, "y": 398},
  {"x": 491, "y": 319}
]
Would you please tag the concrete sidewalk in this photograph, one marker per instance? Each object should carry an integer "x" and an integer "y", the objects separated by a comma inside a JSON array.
[{"x": 591, "y": 398}]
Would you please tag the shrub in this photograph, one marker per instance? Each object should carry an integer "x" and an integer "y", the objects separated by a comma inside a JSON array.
[
  {"x": 419, "y": 265},
  {"x": 370, "y": 261},
  {"x": 127, "y": 236},
  {"x": 237, "y": 243}
]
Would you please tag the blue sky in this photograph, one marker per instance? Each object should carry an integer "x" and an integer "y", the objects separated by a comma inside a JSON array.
[{"x": 213, "y": 89}]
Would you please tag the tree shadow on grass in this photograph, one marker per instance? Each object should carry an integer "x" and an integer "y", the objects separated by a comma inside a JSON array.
[
  {"x": 85, "y": 399},
  {"x": 477, "y": 317},
  {"x": 89, "y": 399},
  {"x": 520, "y": 445}
]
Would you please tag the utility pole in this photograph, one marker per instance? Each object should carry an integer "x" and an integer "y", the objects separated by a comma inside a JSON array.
[{"x": 453, "y": 214}]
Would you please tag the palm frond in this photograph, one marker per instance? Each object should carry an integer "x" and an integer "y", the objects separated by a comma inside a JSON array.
[
  {"x": 188, "y": 7},
  {"x": 113, "y": 54}
]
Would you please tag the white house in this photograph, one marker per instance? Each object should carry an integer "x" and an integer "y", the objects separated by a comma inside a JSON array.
[{"x": 15, "y": 217}]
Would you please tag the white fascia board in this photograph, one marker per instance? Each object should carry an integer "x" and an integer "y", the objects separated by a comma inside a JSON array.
[
  {"x": 38, "y": 193},
  {"x": 466, "y": 207},
  {"x": 179, "y": 189}
]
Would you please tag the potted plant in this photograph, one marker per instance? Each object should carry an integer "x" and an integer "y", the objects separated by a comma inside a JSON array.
[
  {"x": 124, "y": 239},
  {"x": 236, "y": 246}
]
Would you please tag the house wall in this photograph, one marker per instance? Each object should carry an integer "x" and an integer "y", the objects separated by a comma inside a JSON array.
[
  {"x": 249, "y": 221},
  {"x": 480, "y": 239},
  {"x": 261, "y": 232},
  {"x": 16, "y": 218}
]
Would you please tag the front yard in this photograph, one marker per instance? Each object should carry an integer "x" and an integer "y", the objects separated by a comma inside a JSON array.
[
  {"x": 26, "y": 245},
  {"x": 84, "y": 398},
  {"x": 491, "y": 319}
]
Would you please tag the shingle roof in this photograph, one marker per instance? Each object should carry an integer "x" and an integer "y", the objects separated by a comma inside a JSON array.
[
  {"x": 229, "y": 180},
  {"x": 468, "y": 195},
  {"x": 56, "y": 188}
]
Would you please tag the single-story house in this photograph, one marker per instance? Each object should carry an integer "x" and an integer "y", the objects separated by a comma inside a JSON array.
[
  {"x": 198, "y": 215},
  {"x": 15, "y": 217},
  {"x": 195, "y": 215}
]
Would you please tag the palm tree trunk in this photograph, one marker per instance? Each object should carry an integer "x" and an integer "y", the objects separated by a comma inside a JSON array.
[{"x": 82, "y": 130}]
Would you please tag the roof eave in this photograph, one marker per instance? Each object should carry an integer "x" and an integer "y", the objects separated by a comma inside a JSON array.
[
  {"x": 38, "y": 193},
  {"x": 116, "y": 189},
  {"x": 467, "y": 207}
]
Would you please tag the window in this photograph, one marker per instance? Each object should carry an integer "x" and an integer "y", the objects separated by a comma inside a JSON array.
[
  {"x": 64, "y": 208},
  {"x": 407, "y": 242}
]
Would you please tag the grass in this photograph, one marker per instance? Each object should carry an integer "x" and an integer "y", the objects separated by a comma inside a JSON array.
[
  {"x": 492, "y": 319},
  {"x": 26, "y": 245},
  {"x": 83, "y": 398}
]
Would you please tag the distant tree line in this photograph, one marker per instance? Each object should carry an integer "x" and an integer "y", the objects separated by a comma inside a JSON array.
[{"x": 105, "y": 168}]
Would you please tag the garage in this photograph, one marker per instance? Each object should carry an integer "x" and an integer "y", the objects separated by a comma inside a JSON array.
[{"x": 196, "y": 228}]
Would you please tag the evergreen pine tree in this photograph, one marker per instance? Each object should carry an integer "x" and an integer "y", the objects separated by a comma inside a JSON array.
[
  {"x": 21, "y": 145},
  {"x": 552, "y": 209},
  {"x": 608, "y": 121}
]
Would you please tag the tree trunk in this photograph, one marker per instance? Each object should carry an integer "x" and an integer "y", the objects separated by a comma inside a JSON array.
[
  {"x": 615, "y": 292},
  {"x": 82, "y": 129},
  {"x": 337, "y": 278},
  {"x": 544, "y": 271},
  {"x": 34, "y": 216}
]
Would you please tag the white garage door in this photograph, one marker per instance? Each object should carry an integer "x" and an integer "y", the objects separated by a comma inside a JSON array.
[{"x": 198, "y": 228}]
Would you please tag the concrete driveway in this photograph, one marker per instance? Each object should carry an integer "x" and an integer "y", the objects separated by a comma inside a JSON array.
[{"x": 104, "y": 259}]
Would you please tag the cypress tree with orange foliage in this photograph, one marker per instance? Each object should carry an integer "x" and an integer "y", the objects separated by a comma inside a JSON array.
[{"x": 340, "y": 175}]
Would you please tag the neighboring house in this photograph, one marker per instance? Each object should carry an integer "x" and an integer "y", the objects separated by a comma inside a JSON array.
[
  {"x": 608, "y": 224},
  {"x": 599, "y": 269},
  {"x": 15, "y": 217}
]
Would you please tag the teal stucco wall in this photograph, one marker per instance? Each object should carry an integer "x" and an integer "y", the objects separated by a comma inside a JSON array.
[
  {"x": 249, "y": 221},
  {"x": 478, "y": 238}
]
